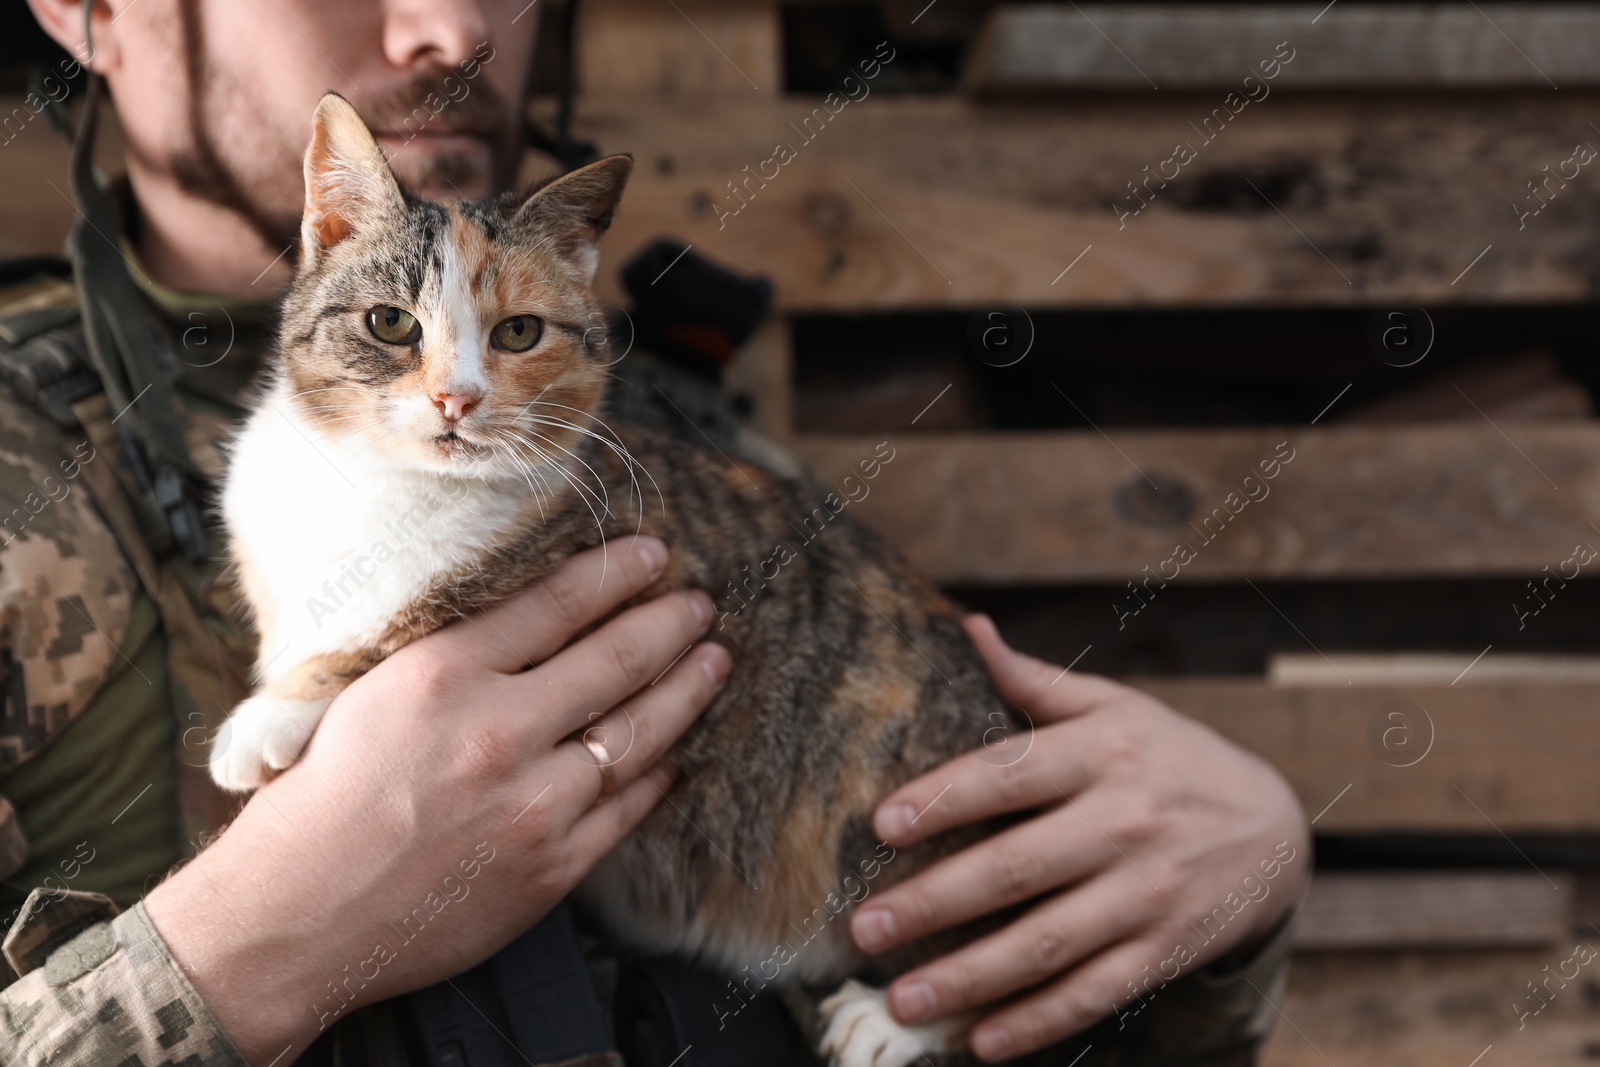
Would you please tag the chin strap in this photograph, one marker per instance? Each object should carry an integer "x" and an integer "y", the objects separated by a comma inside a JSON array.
[
  {"x": 572, "y": 153},
  {"x": 124, "y": 341}
]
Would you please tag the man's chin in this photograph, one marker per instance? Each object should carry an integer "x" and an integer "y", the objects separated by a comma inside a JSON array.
[{"x": 442, "y": 165}]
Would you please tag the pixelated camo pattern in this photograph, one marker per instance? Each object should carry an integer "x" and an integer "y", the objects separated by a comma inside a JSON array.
[
  {"x": 111, "y": 995},
  {"x": 66, "y": 591}
]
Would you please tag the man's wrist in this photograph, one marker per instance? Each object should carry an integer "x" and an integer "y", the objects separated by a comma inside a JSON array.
[{"x": 236, "y": 957}]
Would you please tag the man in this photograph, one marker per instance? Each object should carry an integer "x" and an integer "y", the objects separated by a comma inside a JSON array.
[{"x": 1145, "y": 828}]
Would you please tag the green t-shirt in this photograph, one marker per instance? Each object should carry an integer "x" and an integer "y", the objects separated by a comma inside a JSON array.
[{"x": 98, "y": 803}]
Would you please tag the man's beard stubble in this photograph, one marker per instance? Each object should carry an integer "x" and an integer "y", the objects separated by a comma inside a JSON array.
[{"x": 268, "y": 194}]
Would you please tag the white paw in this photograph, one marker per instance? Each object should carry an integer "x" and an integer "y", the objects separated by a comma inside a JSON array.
[
  {"x": 263, "y": 734},
  {"x": 860, "y": 1032}
]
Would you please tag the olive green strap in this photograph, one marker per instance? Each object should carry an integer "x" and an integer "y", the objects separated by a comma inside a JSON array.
[
  {"x": 122, "y": 340},
  {"x": 110, "y": 304}
]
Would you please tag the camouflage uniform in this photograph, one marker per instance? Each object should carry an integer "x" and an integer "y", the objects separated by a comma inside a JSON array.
[{"x": 117, "y": 664}]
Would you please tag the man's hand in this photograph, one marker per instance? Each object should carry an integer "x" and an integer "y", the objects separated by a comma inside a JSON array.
[
  {"x": 442, "y": 808},
  {"x": 1147, "y": 823}
]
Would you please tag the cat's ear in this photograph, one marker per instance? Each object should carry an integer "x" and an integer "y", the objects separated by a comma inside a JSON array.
[
  {"x": 575, "y": 209},
  {"x": 348, "y": 182}
]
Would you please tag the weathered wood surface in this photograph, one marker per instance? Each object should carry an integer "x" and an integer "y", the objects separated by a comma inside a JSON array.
[
  {"x": 1430, "y": 501},
  {"x": 1502, "y": 758},
  {"x": 1437, "y": 909},
  {"x": 903, "y": 203},
  {"x": 1349, "y": 45},
  {"x": 1431, "y": 668},
  {"x": 649, "y": 48},
  {"x": 1433, "y": 1009}
]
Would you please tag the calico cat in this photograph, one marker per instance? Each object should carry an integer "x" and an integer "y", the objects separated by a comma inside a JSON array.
[{"x": 435, "y": 357}]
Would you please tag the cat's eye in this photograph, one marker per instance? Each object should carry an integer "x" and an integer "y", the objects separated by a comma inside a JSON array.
[
  {"x": 518, "y": 333},
  {"x": 394, "y": 326}
]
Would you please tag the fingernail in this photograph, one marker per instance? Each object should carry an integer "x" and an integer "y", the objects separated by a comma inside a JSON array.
[
  {"x": 874, "y": 929},
  {"x": 992, "y": 1043},
  {"x": 716, "y": 662},
  {"x": 700, "y": 604},
  {"x": 913, "y": 1003},
  {"x": 654, "y": 554},
  {"x": 894, "y": 821}
]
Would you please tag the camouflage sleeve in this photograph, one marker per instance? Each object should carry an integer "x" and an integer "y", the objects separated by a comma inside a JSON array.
[
  {"x": 105, "y": 991},
  {"x": 66, "y": 592}
]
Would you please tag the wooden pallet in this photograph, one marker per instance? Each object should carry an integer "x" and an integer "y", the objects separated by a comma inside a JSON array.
[
  {"x": 1352, "y": 502},
  {"x": 1504, "y": 758},
  {"x": 1053, "y": 47},
  {"x": 1432, "y": 1009},
  {"x": 1436, "y": 910},
  {"x": 929, "y": 202},
  {"x": 1034, "y": 188}
]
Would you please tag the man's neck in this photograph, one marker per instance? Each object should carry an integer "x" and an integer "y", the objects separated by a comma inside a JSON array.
[{"x": 196, "y": 246}]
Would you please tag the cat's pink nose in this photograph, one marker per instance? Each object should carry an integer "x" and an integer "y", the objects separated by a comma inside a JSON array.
[{"x": 455, "y": 405}]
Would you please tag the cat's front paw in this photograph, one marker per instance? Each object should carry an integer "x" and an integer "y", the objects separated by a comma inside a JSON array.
[
  {"x": 860, "y": 1033},
  {"x": 263, "y": 735}
]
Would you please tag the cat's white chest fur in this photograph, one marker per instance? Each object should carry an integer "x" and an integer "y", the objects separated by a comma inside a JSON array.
[{"x": 334, "y": 541}]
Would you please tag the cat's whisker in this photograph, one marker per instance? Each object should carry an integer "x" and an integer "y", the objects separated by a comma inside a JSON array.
[
  {"x": 609, "y": 439},
  {"x": 370, "y": 444},
  {"x": 514, "y": 443},
  {"x": 584, "y": 492},
  {"x": 532, "y": 402},
  {"x": 616, "y": 446},
  {"x": 352, "y": 416},
  {"x": 587, "y": 495},
  {"x": 605, "y": 492},
  {"x": 327, "y": 389},
  {"x": 528, "y": 475}
]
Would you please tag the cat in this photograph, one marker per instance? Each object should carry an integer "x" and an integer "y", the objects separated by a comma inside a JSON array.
[{"x": 438, "y": 355}]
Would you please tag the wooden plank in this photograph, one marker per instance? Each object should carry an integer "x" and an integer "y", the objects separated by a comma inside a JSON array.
[
  {"x": 929, "y": 202},
  {"x": 1451, "y": 909},
  {"x": 1429, "y": 668},
  {"x": 1359, "y": 501},
  {"x": 1001, "y": 198},
  {"x": 1433, "y": 1009},
  {"x": 1524, "y": 385},
  {"x": 1202, "y": 46},
  {"x": 646, "y": 48},
  {"x": 1502, "y": 758}
]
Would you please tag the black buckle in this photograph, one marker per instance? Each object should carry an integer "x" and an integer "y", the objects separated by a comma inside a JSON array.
[{"x": 183, "y": 517}]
